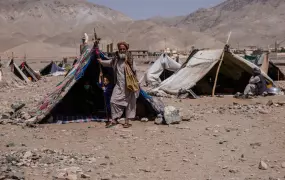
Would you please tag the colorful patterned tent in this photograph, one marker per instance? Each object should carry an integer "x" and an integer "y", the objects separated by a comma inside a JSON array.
[{"x": 68, "y": 102}]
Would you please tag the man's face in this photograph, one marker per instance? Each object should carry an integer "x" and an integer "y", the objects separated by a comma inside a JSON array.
[{"x": 122, "y": 49}]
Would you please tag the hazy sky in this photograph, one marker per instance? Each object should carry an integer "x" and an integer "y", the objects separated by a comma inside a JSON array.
[{"x": 142, "y": 9}]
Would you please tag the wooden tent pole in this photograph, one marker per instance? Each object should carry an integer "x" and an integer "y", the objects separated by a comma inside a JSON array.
[{"x": 218, "y": 70}]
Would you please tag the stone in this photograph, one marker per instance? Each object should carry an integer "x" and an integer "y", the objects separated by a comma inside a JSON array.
[
  {"x": 17, "y": 106},
  {"x": 27, "y": 155},
  {"x": 269, "y": 103},
  {"x": 25, "y": 116},
  {"x": 5, "y": 116},
  {"x": 171, "y": 115},
  {"x": 18, "y": 175},
  {"x": 158, "y": 120},
  {"x": 84, "y": 176},
  {"x": 144, "y": 120},
  {"x": 283, "y": 165},
  {"x": 263, "y": 165},
  {"x": 263, "y": 111}
]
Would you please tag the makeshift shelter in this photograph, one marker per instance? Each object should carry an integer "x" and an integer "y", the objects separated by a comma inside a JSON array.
[
  {"x": 160, "y": 70},
  {"x": 52, "y": 69},
  {"x": 71, "y": 102},
  {"x": 198, "y": 73},
  {"x": 17, "y": 71},
  {"x": 273, "y": 71},
  {"x": 29, "y": 72}
]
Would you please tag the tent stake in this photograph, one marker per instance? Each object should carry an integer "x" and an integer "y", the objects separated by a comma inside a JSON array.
[{"x": 218, "y": 70}]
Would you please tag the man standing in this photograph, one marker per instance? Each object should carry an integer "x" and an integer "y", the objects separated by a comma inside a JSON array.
[
  {"x": 83, "y": 44},
  {"x": 123, "y": 99},
  {"x": 257, "y": 84}
]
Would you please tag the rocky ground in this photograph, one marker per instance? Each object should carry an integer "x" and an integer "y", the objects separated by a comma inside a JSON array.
[{"x": 220, "y": 138}]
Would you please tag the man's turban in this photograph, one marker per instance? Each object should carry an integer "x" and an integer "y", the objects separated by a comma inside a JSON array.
[{"x": 123, "y": 43}]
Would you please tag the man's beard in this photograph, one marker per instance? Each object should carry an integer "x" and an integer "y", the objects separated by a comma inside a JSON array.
[{"x": 122, "y": 56}]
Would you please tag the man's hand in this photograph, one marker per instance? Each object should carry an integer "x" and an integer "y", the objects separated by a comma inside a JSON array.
[{"x": 100, "y": 60}]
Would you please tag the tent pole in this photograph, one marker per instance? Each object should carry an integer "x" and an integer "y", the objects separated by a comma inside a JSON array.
[{"x": 218, "y": 70}]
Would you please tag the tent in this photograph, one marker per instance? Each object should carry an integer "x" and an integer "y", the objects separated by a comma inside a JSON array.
[
  {"x": 29, "y": 72},
  {"x": 161, "y": 69},
  {"x": 198, "y": 73},
  {"x": 71, "y": 102},
  {"x": 273, "y": 71},
  {"x": 52, "y": 69},
  {"x": 17, "y": 71}
]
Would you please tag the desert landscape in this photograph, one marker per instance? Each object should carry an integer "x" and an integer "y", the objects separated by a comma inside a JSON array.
[{"x": 216, "y": 138}]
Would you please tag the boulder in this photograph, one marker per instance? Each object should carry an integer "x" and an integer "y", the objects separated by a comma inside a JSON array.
[{"x": 172, "y": 115}]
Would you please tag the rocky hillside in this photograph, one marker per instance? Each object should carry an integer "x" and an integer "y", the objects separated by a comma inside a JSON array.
[
  {"x": 60, "y": 24},
  {"x": 252, "y": 22},
  {"x": 36, "y": 20}
]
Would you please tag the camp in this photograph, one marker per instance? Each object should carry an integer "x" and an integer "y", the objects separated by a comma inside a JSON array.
[
  {"x": 160, "y": 70},
  {"x": 52, "y": 69},
  {"x": 71, "y": 102},
  {"x": 199, "y": 71}
]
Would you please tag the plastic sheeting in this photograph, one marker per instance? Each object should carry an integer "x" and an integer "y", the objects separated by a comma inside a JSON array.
[
  {"x": 163, "y": 63},
  {"x": 196, "y": 68}
]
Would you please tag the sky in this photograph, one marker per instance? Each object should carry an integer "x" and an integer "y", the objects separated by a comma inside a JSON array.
[{"x": 143, "y": 9}]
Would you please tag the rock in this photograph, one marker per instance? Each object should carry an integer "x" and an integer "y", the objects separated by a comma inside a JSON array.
[
  {"x": 18, "y": 175},
  {"x": 272, "y": 178},
  {"x": 84, "y": 176},
  {"x": 144, "y": 120},
  {"x": 5, "y": 116},
  {"x": 10, "y": 144},
  {"x": 17, "y": 106},
  {"x": 186, "y": 118},
  {"x": 269, "y": 103},
  {"x": 255, "y": 145},
  {"x": 25, "y": 116},
  {"x": 27, "y": 155},
  {"x": 171, "y": 115},
  {"x": 234, "y": 171},
  {"x": 283, "y": 165},
  {"x": 158, "y": 120},
  {"x": 263, "y": 111},
  {"x": 263, "y": 165}
]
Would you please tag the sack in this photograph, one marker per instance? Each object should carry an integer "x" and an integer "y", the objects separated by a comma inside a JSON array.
[{"x": 131, "y": 80}]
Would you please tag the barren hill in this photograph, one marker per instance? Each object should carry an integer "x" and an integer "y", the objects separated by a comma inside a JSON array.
[
  {"x": 60, "y": 24},
  {"x": 252, "y": 22},
  {"x": 29, "y": 20}
]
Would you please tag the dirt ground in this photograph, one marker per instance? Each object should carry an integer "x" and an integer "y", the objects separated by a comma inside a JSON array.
[{"x": 219, "y": 139}]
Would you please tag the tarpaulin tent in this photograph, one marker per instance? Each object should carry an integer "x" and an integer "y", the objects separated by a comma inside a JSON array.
[
  {"x": 70, "y": 102},
  {"x": 29, "y": 72},
  {"x": 198, "y": 73},
  {"x": 273, "y": 71},
  {"x": 52, "y": 69},
  {"x": 160, "y": 70}
]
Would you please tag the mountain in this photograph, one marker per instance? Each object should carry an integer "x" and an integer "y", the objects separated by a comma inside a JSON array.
[
  {"x": 29, "y": 20},
  {"x": 252, "y": 22},
  {"x": 55, "y": 27}
]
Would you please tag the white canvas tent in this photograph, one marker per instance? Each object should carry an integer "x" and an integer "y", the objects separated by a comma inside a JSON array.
[
  {"x": 198, "y": 74},
  {"x": 160, "y": 70}
]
